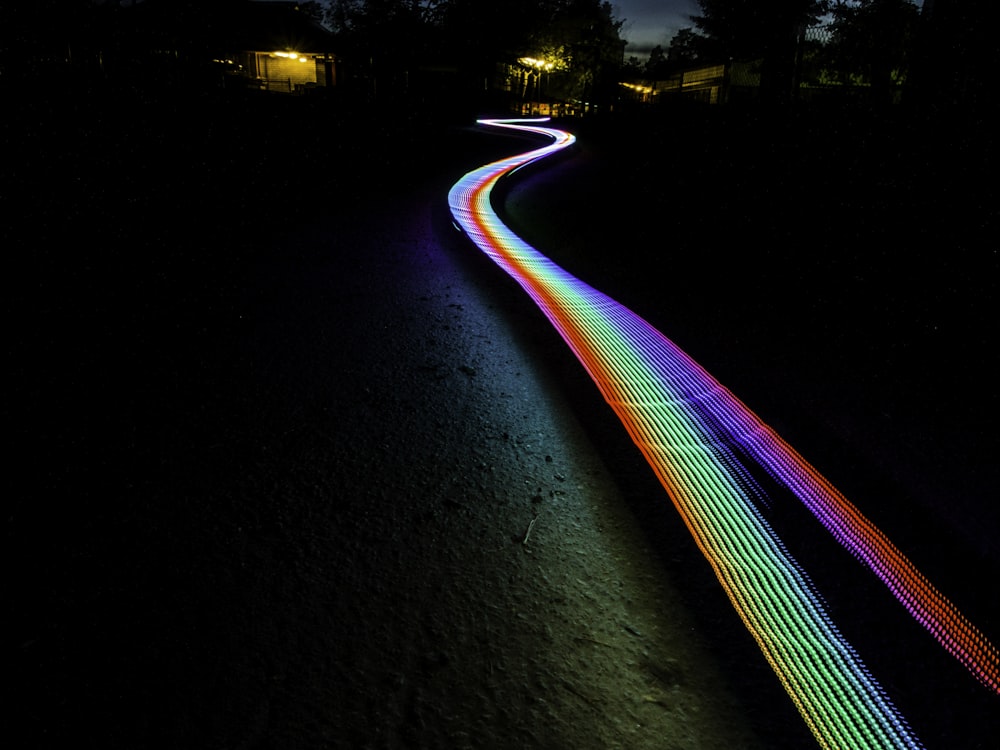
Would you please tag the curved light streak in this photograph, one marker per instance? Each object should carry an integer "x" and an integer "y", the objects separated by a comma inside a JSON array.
[{"x": 697, "y": 437}]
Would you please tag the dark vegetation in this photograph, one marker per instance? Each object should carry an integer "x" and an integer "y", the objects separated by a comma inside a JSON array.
[
  {"x": 438, "y": 52},
  {"x": 937, "y": 54}
]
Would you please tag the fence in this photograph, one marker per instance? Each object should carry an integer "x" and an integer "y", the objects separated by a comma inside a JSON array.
[{"x": 819, "y": 75}]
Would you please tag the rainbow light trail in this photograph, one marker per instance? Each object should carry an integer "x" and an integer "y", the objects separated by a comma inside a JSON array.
[{"x": 697, "y": 437}]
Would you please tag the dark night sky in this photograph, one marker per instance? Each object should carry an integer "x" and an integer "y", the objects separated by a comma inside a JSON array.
[{"x": 652, "y": 22}]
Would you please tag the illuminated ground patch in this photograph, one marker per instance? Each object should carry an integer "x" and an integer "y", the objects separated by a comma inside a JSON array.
[{"x": 699, "y": 438}]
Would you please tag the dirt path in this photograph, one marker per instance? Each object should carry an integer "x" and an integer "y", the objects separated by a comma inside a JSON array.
[
  {"x": 328, "y": 490},
  {"x": 431, "y": 551},
  {"x": 321, "y": 476}
]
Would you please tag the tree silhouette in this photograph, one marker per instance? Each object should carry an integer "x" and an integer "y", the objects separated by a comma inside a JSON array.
[
  {"x": 955, "y": 55},
  {"x": 583, "y": 38},
  {"x": 750, "y": 29},
  {"x": 384, "y": 41},
  {"x": 686, "y": 47},
  {"x": 579, "y": 39},
  {"x": 873, "y": 38},
  {"x": 491, "y": 31},
  {"x": 316, "y": 10}
]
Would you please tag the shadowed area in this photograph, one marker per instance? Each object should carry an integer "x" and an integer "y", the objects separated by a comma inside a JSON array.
[{"x": 292, "y": 465}]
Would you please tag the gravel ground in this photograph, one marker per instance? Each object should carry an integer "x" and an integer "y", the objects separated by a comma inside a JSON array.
[
  {"x": 309, "y": 472},
  {"x": 317, "y": 478}
]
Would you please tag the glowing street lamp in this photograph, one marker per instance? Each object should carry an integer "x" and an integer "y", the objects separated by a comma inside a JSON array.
[
  {"x": 644, "y": 92},
  {"x": 536, "y": 63},
  {"x": 291, "y": 56},
  {"x": 537, "y": 66}
]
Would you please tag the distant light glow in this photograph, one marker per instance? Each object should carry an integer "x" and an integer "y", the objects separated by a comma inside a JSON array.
[
  {"x": 637, "y": 87},
  {"x": 534, "y": 62},
  {"x": 697, "y": 436}
]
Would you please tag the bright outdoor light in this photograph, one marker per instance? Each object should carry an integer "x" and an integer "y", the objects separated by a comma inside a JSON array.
[
  {"x": 534, "y": 62},
  {"x": 637, "y": 87},
  {"x": 706, "y": 446}
]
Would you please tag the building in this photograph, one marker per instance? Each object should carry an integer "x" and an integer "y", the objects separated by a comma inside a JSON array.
[{"x": 275, "y": 47}]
